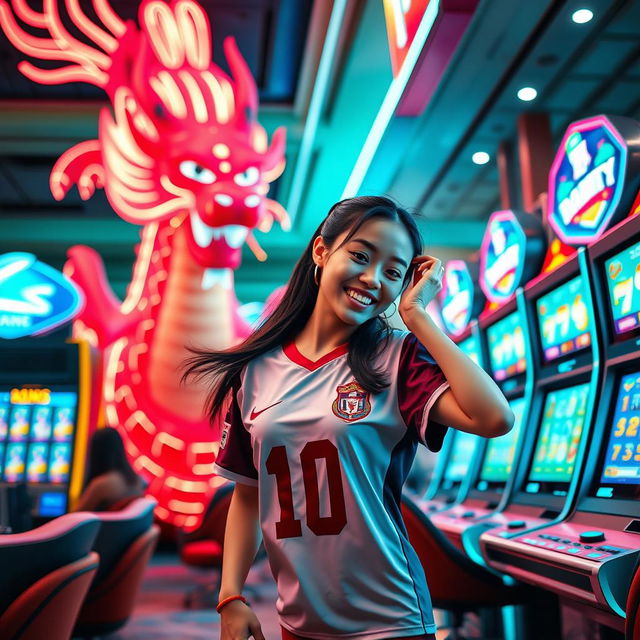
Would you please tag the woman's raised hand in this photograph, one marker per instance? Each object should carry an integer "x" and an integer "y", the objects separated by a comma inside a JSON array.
[
  {"x": 238, "y": 622},
  {"x": 423, "y": 288}
]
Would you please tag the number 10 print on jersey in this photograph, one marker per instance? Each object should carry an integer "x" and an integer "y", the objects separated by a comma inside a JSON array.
[{"x": 277, "y": 464}]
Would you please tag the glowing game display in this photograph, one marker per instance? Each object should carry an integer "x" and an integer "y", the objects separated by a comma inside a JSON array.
[
  {"x": 560, "y": 432},
  {"x": 622, "y": 456},
  {"x": 37, "y": 464},
  {"x": 498, "y": 458},
  {"x": 14, "y": 464},
  {"x": 463, "y": 447},
  {"x": 36, "y": 435},
  {"x": 623, "y": 284},
  {"x": 507, "y": 347},
  {"x": 591, "y": 182},
  {"x": 564, "y": 320},
  {"x": 471, "y": 348}
]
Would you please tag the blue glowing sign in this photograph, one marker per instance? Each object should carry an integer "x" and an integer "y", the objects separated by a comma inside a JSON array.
[{"x": 34, "y": 297}]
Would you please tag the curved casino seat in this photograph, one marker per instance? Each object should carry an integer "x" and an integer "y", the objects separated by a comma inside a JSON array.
[
  {"x": 46, "y": 573},
  {"x": 125, "y": 542},
  {"x": 27, "y": 557}
]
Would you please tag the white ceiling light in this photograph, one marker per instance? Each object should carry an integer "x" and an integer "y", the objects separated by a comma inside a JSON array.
[
  {"x": 480, "y": 157},
  {"x": 527, "y": 94},
  {"x": 582, "y": 15}
]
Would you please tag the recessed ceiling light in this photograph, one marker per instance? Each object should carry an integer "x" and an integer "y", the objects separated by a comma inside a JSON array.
[
  {"x": 527, "y": 94},
  {"x": 582, "y": 15},
  {"x": 480, "y": 157}
]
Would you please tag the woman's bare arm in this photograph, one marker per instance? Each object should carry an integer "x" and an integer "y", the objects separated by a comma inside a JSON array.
[
  {"x": 474, "y": 402},
  {"x": 241, "y": 539}
]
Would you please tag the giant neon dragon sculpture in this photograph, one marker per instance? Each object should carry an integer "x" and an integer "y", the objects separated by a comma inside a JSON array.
[{"x": 180, "y": 153}]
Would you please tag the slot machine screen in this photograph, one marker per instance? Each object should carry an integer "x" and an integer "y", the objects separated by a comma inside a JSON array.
[
  {"x": 559, "y": 436},
  {"x": 506, "y": 347},
  {"x": 499, "y": 454},
  {"x": 619, "y": 469},
  {"x": 564, "y": 320},
  {"x": 463, "y": 448},
  {"x": 471, "y": 348},
  {"x": 37, "y": 429},
  {"x": 622, "y": 274}
]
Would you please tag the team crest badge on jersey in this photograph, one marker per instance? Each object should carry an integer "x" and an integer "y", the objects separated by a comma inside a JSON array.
[{"x": 351, "y": 403}]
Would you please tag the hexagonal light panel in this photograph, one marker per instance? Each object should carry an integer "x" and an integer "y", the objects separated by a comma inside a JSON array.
[
  {"x": 457, "y": 297},
  {"x": 502, "y": 256},
  {"x": 592, "y": 182}
]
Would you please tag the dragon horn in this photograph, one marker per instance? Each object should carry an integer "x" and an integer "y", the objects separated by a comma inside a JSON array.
[
  {"x": 245, "y": 86},
  {"x": 274, "y": 156}
]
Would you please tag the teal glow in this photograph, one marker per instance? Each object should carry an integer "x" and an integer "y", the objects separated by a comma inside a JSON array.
[
  {"x": 315, "y": 106},
  {"x": 390, "y": 102}
]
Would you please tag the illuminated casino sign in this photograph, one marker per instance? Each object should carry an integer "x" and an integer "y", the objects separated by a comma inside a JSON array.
[
  {"x": 403, "y": 20},
  {"x": 460, "y": 297},
  {"x": 594, "y": 177},
  {"x": 511, "y": 253},
  {"x": 34, "y": 297}
]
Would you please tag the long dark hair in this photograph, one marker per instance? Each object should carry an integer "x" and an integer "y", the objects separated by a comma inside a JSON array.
[
  {"x": 106, "y": 453},
  {"x": 294, "y": 310}
]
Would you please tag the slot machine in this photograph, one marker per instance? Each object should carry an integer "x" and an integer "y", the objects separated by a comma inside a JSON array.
[
  {"x": 565, "y": 345},
  {"x": 588, "y": 556},
  {"x": 511, "y": 253},
  {"x": 45, "y": 389},
  {"x": 505, "y": 337},
  {"x": 44, "y": 411}
]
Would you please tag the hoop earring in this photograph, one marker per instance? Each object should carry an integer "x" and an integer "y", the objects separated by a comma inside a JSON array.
[
  {"x": 315, "y": 276},
  {"x": 386, "y": 317}
]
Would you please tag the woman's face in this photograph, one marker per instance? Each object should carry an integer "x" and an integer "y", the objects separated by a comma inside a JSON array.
[{"x": 361, "y": 278}]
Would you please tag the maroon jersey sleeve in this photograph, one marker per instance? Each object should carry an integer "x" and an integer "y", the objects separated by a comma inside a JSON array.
[
  {"x": 235, "y": 456},
  {"x": 420, "y": 383}
]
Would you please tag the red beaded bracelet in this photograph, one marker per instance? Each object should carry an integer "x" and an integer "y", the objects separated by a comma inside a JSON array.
[{"x": 226, "y": 601}]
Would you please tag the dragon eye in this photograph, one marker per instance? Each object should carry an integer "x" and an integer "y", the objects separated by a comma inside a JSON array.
[
  {"x": 197, "y": 172},
  {"x": 247, "y": 178}
]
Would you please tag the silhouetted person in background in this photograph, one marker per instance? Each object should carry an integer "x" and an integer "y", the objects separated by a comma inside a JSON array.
[{"x": 110, "y": 477}]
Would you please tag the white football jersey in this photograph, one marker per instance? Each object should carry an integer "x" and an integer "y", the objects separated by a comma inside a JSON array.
[{"x": 330, "y": 460}]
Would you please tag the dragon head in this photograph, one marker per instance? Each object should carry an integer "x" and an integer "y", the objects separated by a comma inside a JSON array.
[{"x": 182, "y": 144}]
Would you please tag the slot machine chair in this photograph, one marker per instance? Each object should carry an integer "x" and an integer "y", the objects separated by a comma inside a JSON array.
[
  {"x": 632, "y": 622},
  {"x": 125, "y": 542},
  {"x": 46, "y": 573},
  {"x": 202, "y": 548},
  {"x": 456, "y": 583}
]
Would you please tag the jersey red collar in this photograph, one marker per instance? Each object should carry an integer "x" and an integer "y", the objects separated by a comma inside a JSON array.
[{"x": 291, "y": 351}]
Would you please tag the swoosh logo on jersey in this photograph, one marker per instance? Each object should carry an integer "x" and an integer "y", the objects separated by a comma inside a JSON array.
[{"x": 254, "y": 414}]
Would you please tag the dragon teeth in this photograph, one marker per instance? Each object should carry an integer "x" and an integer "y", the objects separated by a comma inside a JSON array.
[
  {"x": 203, "y": 234},
  {"x": 235, "y": 234}
]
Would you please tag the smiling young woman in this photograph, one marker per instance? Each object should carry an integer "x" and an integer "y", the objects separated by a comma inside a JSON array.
[{"x": 326, "y": 406}]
